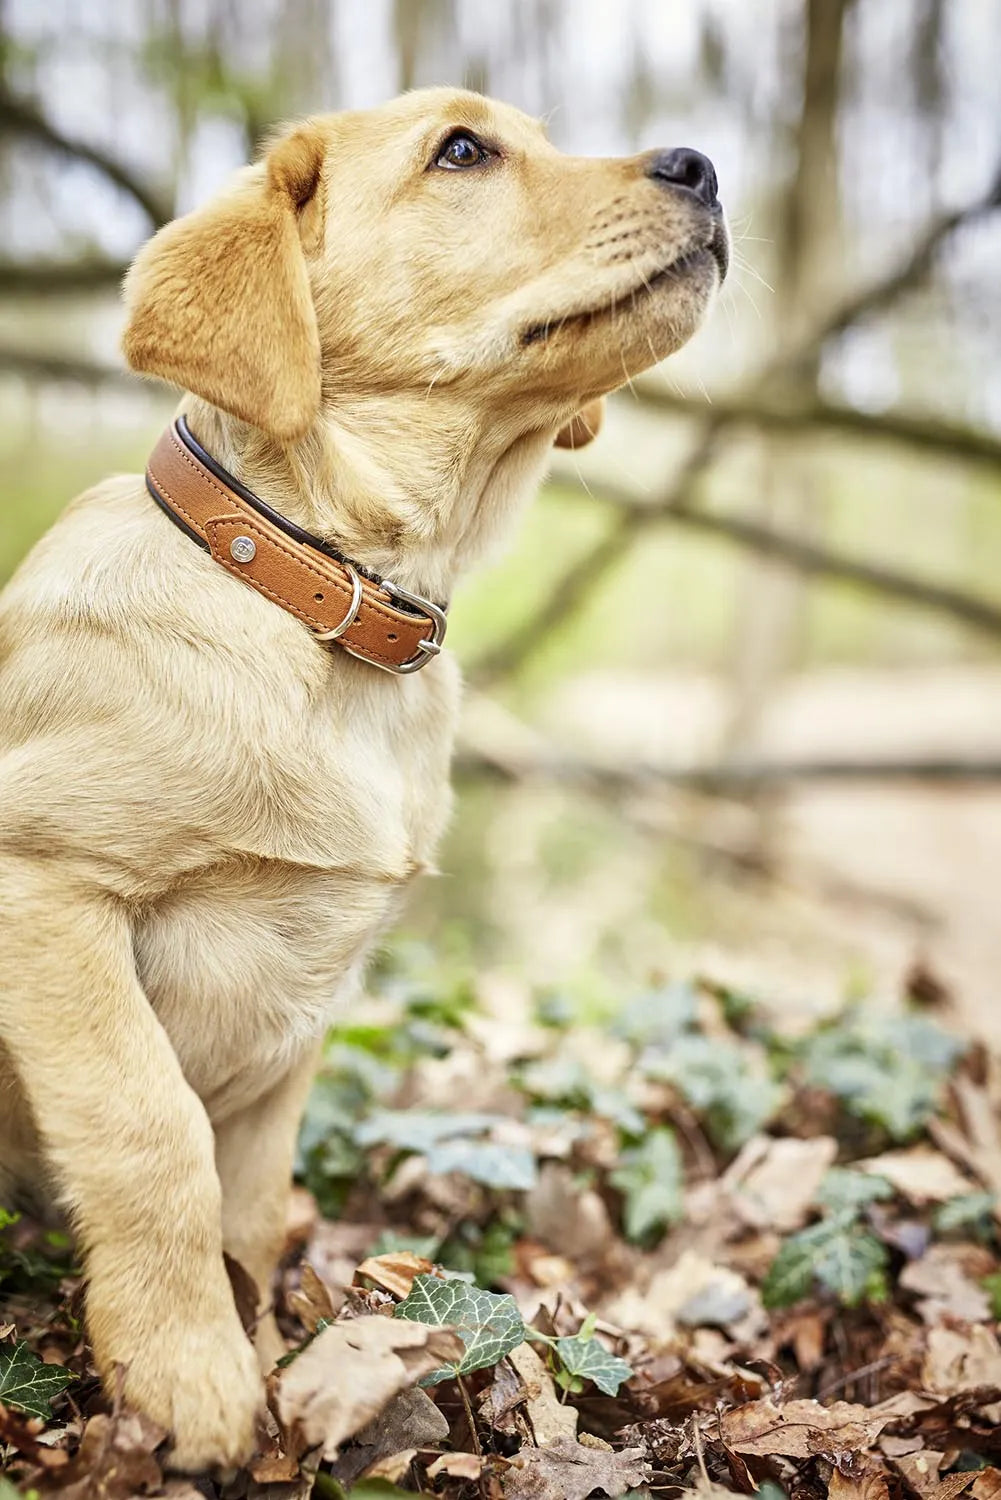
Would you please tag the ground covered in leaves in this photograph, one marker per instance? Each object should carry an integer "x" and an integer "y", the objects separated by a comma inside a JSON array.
[{"x": 695, "y": 1245}]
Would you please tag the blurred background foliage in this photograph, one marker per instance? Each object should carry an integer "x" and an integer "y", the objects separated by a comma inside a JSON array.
[{"x": 734, "y": 695}]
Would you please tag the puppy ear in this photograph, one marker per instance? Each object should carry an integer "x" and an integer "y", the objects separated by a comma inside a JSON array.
[
  {"x": 584, "y": 427},
  {"x": 219, "y": 301}
]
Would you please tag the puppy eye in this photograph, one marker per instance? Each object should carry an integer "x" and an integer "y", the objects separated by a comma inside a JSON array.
[{"x": 461, "y": 150}]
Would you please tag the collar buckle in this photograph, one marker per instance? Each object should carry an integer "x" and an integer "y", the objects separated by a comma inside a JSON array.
[{"x": 427, "y": 649}]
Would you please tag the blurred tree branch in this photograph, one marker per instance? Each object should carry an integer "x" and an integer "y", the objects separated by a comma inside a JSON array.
[
  {"x": 719, "y": 779},
  {"x": 21, "y": 279},
  {"x": 806, "y": 556},
  {"x": 791, "y": 412},
  {"x": 22, "y": 118}
]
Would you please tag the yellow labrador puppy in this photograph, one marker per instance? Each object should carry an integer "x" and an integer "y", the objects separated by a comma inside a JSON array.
[{"x": 219, "y": 765}]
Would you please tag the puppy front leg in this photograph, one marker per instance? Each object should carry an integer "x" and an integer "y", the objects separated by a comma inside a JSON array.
[
  {"x": 254, "y": 1152},
  {"x": 131, "y": 1149}
]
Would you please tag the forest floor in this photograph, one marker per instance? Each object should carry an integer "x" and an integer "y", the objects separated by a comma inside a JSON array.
[{"x": 707, "y": 1246}]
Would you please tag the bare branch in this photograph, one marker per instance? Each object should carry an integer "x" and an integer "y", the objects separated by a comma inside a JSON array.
[
  {"x": 791, "y": 414},
  {"x": 809, "y": 557},
  {"x": 908, "y": 273},
  {"x": 571, "y": 591},
  {"x": 59, "y": 277},
  {"x": 20, "y": 117},
  {"x": 38, "y": 366},
  {"x": 734, "y": 778}
]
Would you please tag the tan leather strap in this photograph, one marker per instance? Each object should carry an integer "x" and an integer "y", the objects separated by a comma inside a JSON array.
[{"x": 288, "y": 566}]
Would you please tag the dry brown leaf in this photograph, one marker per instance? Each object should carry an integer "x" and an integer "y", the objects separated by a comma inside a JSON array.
[
  {"x": 274, "y": 1468},
  {"x": 987, "y": 1485},
  {"x": 868, "y": 1486},
  {"x": 939, "y": 1278},
  {"x": 952, "y": 1485},
  {"x": 959, "y": 1359},
  {"x": 571, "y": 1471},
  {"x": 393, "y": 1467},
  {"x": 920, "y": 1469},
  {"x": 801, "y": 1429},
  {"x": 457, "y": 1466},
  {"x": 778, "y": 1190},
  {"x": 350, "y": 1372},
  {"x": 922, "y": 1175},
  {"x": 115, "y": 1460},
  {"x": 395, "y": 1272},
  {"x": 559, "y": 1213},
  {"x": 694, "y": 1291},
  {"x": 312, "y": 1303},
  {"x": 411, "y": 1420},
  {"x": 550, "y": 1419}
]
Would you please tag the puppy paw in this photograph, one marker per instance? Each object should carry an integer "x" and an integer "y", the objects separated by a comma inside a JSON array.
[{"x": 204, "y": 1384}]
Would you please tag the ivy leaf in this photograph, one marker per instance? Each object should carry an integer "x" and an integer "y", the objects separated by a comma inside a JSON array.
[
  {"x": 723, "y": 1083},
  {"x": 584, "y": 1358},
  {"x": 842, "y": 1188},
  {"x": 658, "y": 1017},
  {"x": 413, "y": 1130},
  {"x": 488, "y": 1323},
  {"x": 490, "y": 1162},
  {"x": 853, "y": 1265},
  {"x": 887, "y": 1069},
  {"x": 651, "y": 1179},
  {"x": 839, "y": 1254},
  {"x": 28, "y": 1384},
  {"x": 969, "y": 1211}
]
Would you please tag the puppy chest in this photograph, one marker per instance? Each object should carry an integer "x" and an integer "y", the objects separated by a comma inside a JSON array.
[{"x": 245, "y": 967}]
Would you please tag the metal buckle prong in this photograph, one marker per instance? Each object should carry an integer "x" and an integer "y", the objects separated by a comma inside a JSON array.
[{"x": 353, "y": 608}]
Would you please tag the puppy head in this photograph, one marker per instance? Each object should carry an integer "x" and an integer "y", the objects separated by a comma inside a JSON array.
[{"x": 437, "y": 242}]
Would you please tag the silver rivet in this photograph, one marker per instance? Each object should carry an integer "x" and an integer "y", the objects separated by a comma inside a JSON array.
[{"x": 243, "y": 549}]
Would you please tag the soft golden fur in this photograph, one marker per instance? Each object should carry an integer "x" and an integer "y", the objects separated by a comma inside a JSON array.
[{"x": 208, "y": 817}]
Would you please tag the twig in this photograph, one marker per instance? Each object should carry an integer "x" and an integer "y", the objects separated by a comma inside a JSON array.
[
  {"x": 853, "y": 1375},
  {"x": 471, "y": 1420}
]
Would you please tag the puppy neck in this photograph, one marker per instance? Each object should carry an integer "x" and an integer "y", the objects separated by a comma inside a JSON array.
[{"x": 415, "y": 494}]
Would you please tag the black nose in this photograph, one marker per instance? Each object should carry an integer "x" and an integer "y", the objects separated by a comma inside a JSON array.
[{"x": 686, "y": 168}]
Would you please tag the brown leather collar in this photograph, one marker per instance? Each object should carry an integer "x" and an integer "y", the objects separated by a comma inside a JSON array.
[{"x": 370, "y": 617}]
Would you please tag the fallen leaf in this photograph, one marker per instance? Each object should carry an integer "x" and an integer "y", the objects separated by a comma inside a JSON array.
[
  {"x": 116, "y": 1459},
  {"x": 947, "y": 1292},
  {"x": 568, "y": 1470},
  {"x": 312, "y": 1302},
  {"x": 550, "y": 1418},
  {"x": 694, "y": 1291},
  {"x": 457, "y": 1466},
  {"x": 349, "y": 1373},
  {"x": 960, "y": 1359},
  {"x": 410, "y": 1420},
  {"x": 559, "y": 1213},
  {"x": 395, "y": 1272},
  {"x": 779, "y": 1189},
  {"x": 393, "y": 1467},
  {"x": 868, "y": 1486},
  {"x": 987, "y": 1485},
  {"x": 245, "y": 1292},
  {"x": 952, "y": 1485},
  {"x": 920, "y": 1469},
  {"x": 922, "y": 1175},
  {"x": 800, "y": 1429}
]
